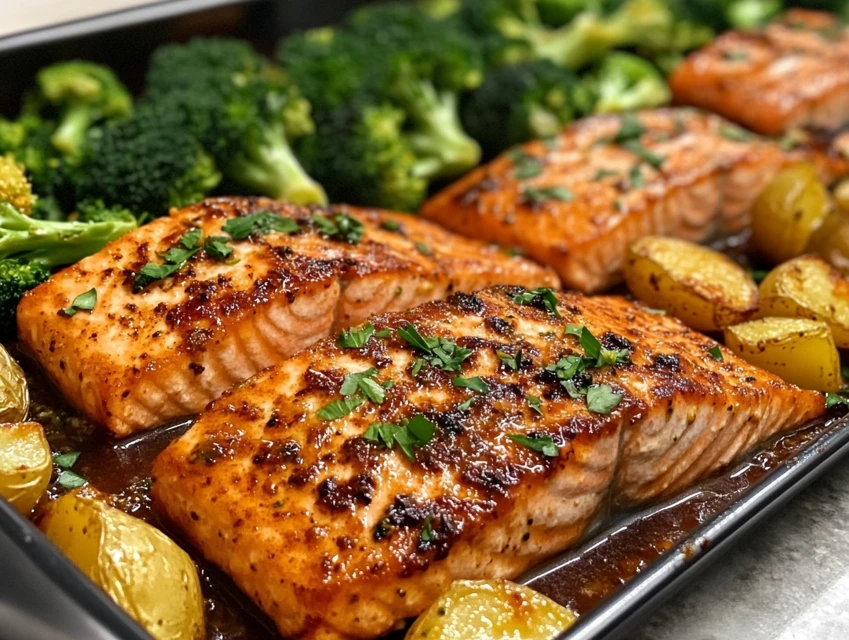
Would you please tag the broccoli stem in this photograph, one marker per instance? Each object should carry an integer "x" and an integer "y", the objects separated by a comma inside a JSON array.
[
  {"x": 53, "y": 244},
  {"x": 273, "y": 169},
  {"x": 443, "y": 148},
  {"x": 70, "y": 134}
]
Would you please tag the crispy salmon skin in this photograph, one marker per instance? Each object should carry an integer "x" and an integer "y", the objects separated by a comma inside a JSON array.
[
  {"x": 577, "y": 201},
  {"x": 147, "y": 354},
  {"x": 344, "y": 489},
  {"x": 792, "y": 74}
]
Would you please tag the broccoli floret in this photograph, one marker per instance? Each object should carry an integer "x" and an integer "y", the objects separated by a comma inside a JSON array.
[
  {"x": 147, "y": 163},
  {"x": 440, "y": 9},
  {"x": 556, "y": 13},
  {"x": 97, "y": 211},
  {"x": 625, "y": 82},
  {"x": 48, "y": 208},
  {"x": 747, "y": 14},
  {"x": 14, "y": 186},
  {"x": 80, "y": 94},
  {"x": 244, "y": 111},
  {"x": 521, "y": 102},
  {"x": 16, "y": 278},
  {"x": 361, "y": 154},
  {"x": 586, "y": 38}
]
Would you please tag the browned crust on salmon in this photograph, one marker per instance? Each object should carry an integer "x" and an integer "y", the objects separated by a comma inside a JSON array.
[
  {"x": 325, "y": 529},
  {"x": 792, "y": 74},
  {"x": 139, "y": 359}
]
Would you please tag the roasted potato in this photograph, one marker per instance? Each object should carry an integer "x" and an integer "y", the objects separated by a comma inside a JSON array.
[
  {"x": 702, "y": 287},
  {"x": 798, "y": 350},
  {"x": 831, "y": 240},
  {"x": 14, "y": 393},
  {"x": 491, "y": 610},
  {"x": 25, "y": 464},
  {"x": 787, "y": 212},
  {"x": 841, "y": 195},
  {"x": 808, "y": 287},
  {"x": 140, "y": 568}
]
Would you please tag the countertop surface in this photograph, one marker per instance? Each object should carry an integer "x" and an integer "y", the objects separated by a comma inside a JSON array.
[{"x": 788, "y": 580}]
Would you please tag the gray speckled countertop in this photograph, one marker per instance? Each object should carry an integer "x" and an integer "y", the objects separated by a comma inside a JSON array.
[{"x": 788, "y": 580}]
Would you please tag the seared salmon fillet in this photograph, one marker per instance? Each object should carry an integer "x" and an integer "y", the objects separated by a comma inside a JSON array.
[
  {"x": 344, "y": 489},
  {"x": 577, "y": 201},
  {"x": 146, "y": 354},
  {"x": 792, "y": 74}
]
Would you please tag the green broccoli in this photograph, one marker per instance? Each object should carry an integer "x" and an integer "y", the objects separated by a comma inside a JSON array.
[
  {"x": 521, "y": 102},
  {"x": 586, "y": 38},
  {"x": 556, "y": 13},
  {"x": 625, "y": 82},
  {"x": 359, "y": 151},
  {"x": 97, "y": 211},
  {"x": 80, "y": 94},
  {"x": 243, "y": 110},
  {"x": 147, "y": 163},
  {"x": 30, "y": 248}
]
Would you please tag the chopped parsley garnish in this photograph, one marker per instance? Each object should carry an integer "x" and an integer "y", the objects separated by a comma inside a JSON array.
[
  {"x": 175, "y": 258},
  {"x": 423, "y": 249},
  {"x": 716, "y": 353},
  {"x": 427, "y": 530},
  {"x": 832, "y": 399},
  {"x": 539, "y": 297},
  {"x": 735, "y": 55},
  {"x": 66, "y": 460},
  {"x": 593, "y": 348},
  {"x": 416, "y": 432},
  {"x": 70, "y": 480},
  {"x": 390, "y": 225},
  {"x": 525, "y": 166},
  {"x": 540, "y": 443},
  {"x": 466, "y": 404},
  {"x": 383, "y": 333},
  {"x": 83, "y": 302},
  {"x": 630, "y": 128},
  {"x": 601, "y": 174},
  {"x": 355, "y": 338},
  {"x": 759, "y": 275},
  {"x": 635, "y": 177},
  {"x": 538, "y": 195},
  {"x": 535, "y": 404},
  {"x": 513, "y": 363},
  {"x": 602, "y": 399},
  {"x": 438, "y": 352},
  {"x": 259, "y": 223},
  {"x": 617, "y": 204},
  {"x": 654, "y": 159},
  {"x": 357, "y": 388},
  {"x": 216, "y": 247},
  {"x": 475, "y": 384},
  {"x": 737, "y": 134},
  {"x": 340, "y": 226}
]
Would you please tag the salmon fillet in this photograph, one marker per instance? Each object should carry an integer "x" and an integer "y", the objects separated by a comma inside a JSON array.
[
  {"x": 288, "y": 484},
  {"x": 792, "y": 74},
  {"x": 142, "y": 357},
  {"x": 576, "y": 202}
]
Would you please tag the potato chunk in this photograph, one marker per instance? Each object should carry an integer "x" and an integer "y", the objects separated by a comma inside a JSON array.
[
  {"x": 701, "y": 287},
  {"x": 143, "y": 570},
  {"x": 798, "y": 350},
  {"x": 491, "y": 610},
  {"x": 25, "y": 464},
  {"x": 808, "y": 287},
  {"x": 14, "y": 392},
  {"x": 787, "y": 212}
]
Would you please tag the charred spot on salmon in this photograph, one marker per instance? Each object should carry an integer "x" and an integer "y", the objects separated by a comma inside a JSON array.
[
  {"x": 340, "y": 226},
  {"x": 499, "y": 325},
  {"x": 403, "y": 512},
  {"x": 438, "y": 352},
  {"x": 274, "y": 420},
  {"x": 543, "y": 299},
  {"x": 259, "y": 223},
  {"x": 467, "y": 302},
  {"x": 359, "y": 490},
  {"x": 278, "y": 452},
  {"x": 666, "y": 362}
]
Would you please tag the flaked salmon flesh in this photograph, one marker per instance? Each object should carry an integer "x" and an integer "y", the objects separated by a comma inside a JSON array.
[
  {"x": 577, "y": 201},
  {"x": 336, "y": 534},
  {"x": 794, "y": 73},
  {"x": 141, "y": 358}
]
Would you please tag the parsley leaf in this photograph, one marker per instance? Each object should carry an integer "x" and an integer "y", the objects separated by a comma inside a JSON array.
[
  {"x": 537, "y": 298},
  {"x": 636, "y": 177},
  {"x": 66, "y": 460},
  {"x": 383, "y": 333},
  {"x": 70, "y": 480},
  {"x": 355, "y": 338},
  {"x": 630, "y": 128},
  {"x": 540, "y": 443},
  {"x": 601, "y": 174},
  {"x": 175, "y": 258},
  {"x": 417, "y": 432},
  {"x": 716, "y": 353},
  {"x": 513, "y": 363},
  {"x": 832, "y": 399},
  {"x": 525, "y": 166},
  {"x": 538, "y": 195},
  {"x": 340, "y": 408},
  {"x": 602, "y": 399},
  {"x": 390, "y": 225},
  {"x": 439, "y": 352},
  {"x": 216, "y": 247},
  {"x": 340, "y": 226},
  {"x": 83, "y": 302},
  {"x": 535, "y": 404},
  {"x": 427, "y": 530},
  {"x": 259, "y": 223},
  {"x": 423, "y": 249},
  {"x": 737, "y": 134},
  {"x": 362, "y": 381},
  {"x": 654, "y": 159},
  {"x": 466, "y": 404},
  {"x": 475, "y": 384}
]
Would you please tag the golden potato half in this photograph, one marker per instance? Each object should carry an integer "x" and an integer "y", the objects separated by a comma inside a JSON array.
[
  {"x": 831, "y": 240},
  {"x": 701, "y": 287},
  {"x": 25, "y": 464},
  {"x": 491, "y": 610},
  {"x": 797, "y": 350},
  {"x": 808, "y": 287},
  {"x": 14, "y": 392},
  {"x": 787, "y": 212},
  {"x": 143, "y": 570}
]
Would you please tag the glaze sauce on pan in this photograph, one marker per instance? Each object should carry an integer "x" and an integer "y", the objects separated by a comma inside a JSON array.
[{"x": 122, "y": 469}]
